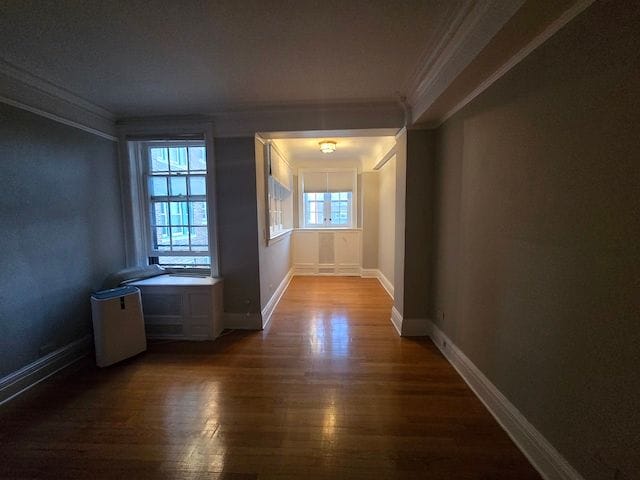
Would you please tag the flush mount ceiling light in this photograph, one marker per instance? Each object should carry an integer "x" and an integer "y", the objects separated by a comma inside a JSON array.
[{"x": 327, "y": 146}]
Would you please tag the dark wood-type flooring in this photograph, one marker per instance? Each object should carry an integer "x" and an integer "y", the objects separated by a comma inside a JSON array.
[{"x": 327, "y": 391}]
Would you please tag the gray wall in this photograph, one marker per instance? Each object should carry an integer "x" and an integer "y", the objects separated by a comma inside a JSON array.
[
  {"x": 275, "y": 258},
  {"x": 419, "y": 223},
  {"x": 387, "y": 220},
  {"x": 537, "y": 273},
  {"x": 237, "y": 229},
  {"x": 61, "y": 233},
  {"x": 370, "y": 186},
  {"x": 401, "y": 192}
]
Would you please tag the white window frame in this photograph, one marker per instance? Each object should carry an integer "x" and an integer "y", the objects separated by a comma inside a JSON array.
[
  {"x": 134, "y": 202},
  {"x": 302, "y": 204},
  {"x": 146, "y": 175}
]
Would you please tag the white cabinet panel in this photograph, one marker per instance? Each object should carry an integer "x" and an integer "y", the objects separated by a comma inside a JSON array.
[{"x": 327, "y": 251}]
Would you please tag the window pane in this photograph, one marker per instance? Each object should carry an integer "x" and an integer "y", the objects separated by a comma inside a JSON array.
[
  {"x": 178, "y": 186},
  {"x": 198, "y": 212},
  {"x": 161, "y": 237},
  {"x": 158, "y": 186},
  {"x": 197, "y": 186},
  {"x": 159, "y": 161},
  {"x": 197, "y": 158},
  {"x": 178, "y": 212},
  {"x": 178, "y": 158},
  {"x": 179, "y": 236},
  {"x": 159, "y": 213},
  {"x": 167, "y": 260},
  {"x": 199, "y": 238}
]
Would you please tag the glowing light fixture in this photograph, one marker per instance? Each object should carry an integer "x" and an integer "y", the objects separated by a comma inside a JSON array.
[{"x": 327, "y": 146}]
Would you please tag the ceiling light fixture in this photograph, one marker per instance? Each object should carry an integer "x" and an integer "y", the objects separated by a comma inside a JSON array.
[{"x": 327, "y": 146}]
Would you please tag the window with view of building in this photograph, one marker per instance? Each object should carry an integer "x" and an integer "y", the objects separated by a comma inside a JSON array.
[{"x": 176, "y": 187}]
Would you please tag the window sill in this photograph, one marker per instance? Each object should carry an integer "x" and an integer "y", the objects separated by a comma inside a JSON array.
[
  {"x": 324, "y": 229},
  {"x": 281, "y": 235}
]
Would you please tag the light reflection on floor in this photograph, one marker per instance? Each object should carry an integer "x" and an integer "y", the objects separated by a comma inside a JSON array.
[{"x": 329, "y": 334}]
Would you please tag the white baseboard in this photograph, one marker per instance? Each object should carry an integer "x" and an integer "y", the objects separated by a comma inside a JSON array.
[
  {"x": 242, "y": 321},
  {"x": 415, "y": 327},
  {"x": 542, "y": 455},
  {"x": 375, "y": 273},
  {"x": 21, "y": 380},
  {"x": 271, "y": 305},
  {"x": 409, "y": 327},
  {"x": 396, "y": 319}
]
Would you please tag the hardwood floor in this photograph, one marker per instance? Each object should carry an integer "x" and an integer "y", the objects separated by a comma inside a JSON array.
[{"x": 328, "y": 390}]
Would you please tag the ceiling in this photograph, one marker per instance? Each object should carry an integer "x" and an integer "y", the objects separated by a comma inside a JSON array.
[
  {"x": 163, "y": 57},
  {"x": 361, "y": 152},
  {"x": 265, "y": 65}
]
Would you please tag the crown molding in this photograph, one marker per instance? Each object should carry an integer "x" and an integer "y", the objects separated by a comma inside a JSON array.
[
  {"x": 466, "y": 32},
  {"x": 24, "y": 90},
  {"x": 538, "y": 40}
]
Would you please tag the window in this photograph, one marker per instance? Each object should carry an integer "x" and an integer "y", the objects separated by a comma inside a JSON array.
[
  {"x": 327, "y": 198},
  {"x": 176, "y": 192},
  {"x": 279, "y": 199},
  {"x": 330, "y": 209}
]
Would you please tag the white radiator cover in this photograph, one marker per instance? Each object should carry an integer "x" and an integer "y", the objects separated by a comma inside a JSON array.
[
  {"x": 181, "y": 307},
  {"x": 327, "y": 252}
]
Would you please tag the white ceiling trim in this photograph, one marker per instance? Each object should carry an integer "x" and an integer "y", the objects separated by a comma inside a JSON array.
[
  {"x": 29, "y": 92},
  {"x": 385, "y": 158},
  {"x": 371, "y": 132},
  {"x": 541, "y": 38},
  {"x": 433, "y": 49},
  {"x": 56, "y": 118},
  {"x": 43, "y": 85},
  {"x": 469, "y": 31}
]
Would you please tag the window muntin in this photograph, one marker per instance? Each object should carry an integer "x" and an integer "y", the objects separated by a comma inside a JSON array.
[
  {"x": 328, "y": 209},
  {"x": 177, "y": 200}
]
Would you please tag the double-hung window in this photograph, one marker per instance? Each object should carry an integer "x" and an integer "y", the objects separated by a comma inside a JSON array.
[{"x": 176, "y": 201}]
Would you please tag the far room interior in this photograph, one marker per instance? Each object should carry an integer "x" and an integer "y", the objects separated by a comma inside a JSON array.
[{"x": 326, "y": 206}]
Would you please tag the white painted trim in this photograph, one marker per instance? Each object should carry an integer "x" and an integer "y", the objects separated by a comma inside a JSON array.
[
  {"x": 415, "y": 327},
  {"x": 56, "y": 118},
  {"x": 385, "y": 158},
  {"x": 271, "y": 305},
  {"x": 542, "y": 455},
  {"x": 541, "y": 38},
  {"x": 396, "y": 320},
  {"x": 21, "y": 89},
  {"x": 22, "y": 380},
  {"x": 376, "y": 273},
  {"x": 468, "y": 31},
  {"x": 43, "y": 85},
  {"x": 242, "y": 321},
  {"x": 365, "y": 132},
  {"x": 409, "y": 327},
  {"x": 386, "y": 284}
]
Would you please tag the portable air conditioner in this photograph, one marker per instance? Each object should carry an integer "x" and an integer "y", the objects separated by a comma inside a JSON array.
[{"x": 118, "y": 324}]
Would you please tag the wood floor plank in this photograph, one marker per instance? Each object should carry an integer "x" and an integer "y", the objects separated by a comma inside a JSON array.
[{"x": 327, "y": 391}]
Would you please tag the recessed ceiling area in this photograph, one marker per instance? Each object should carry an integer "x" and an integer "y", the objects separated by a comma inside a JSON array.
[
  {"x": 164, "y": 57},
  {"x": 362, "y": 152}
]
